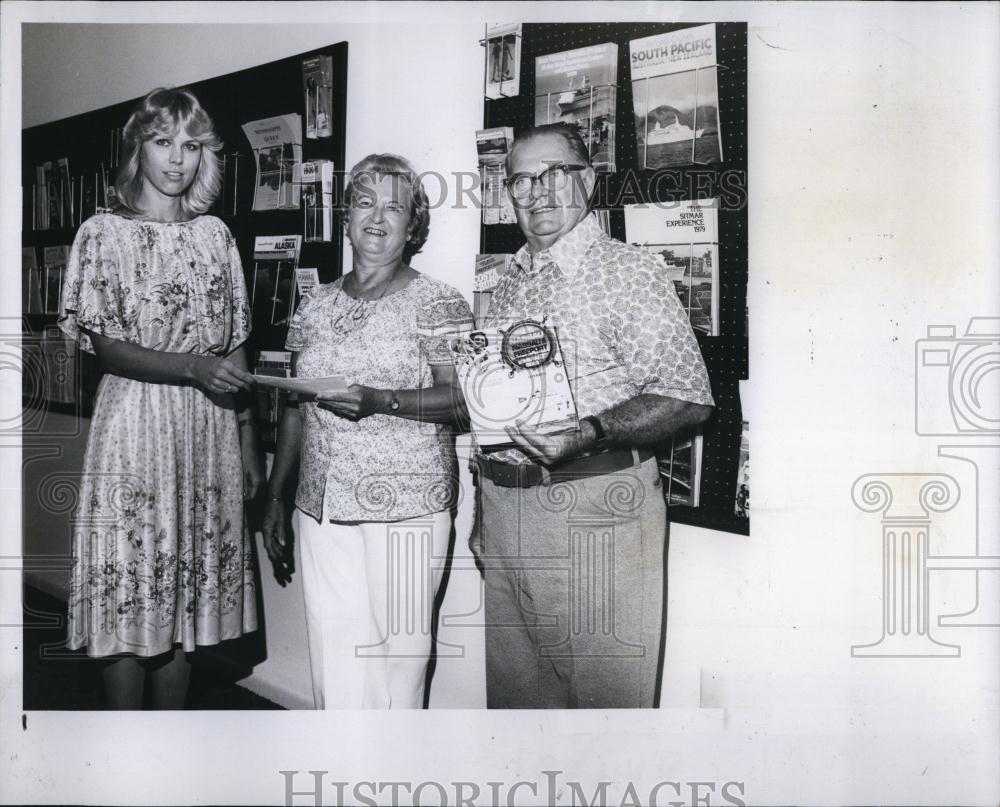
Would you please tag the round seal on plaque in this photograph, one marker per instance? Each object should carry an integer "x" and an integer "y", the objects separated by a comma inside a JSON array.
[{"x": 527, "y": 345}]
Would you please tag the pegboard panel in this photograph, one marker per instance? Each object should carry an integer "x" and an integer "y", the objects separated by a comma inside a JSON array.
[
  {"x": 726, "y": 355},
  {"x": 267, "y": 90}
]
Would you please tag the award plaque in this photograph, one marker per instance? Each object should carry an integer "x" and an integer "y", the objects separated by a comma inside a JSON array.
[{"x": 513, "y": 373}]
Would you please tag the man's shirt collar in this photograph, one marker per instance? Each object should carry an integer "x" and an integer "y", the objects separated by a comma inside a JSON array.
[{"x": 567, "y": 253}]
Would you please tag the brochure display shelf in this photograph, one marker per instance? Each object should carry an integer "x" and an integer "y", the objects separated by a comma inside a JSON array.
[
  {"x": 726, "y": 355},
  {"x": 91, "y": 143}
]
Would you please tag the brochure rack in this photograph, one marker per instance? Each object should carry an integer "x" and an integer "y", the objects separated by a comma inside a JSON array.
[
  {"x": 501, "y": 60},
  {"x": 726, "y": 355},
  {"x": 91, "y": 145}
]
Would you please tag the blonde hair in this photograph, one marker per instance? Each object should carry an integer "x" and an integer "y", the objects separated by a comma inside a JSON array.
[{"x": 164, "y": 111}]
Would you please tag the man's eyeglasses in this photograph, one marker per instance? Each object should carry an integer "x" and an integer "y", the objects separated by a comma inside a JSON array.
[{"x": 553, "y": 178}]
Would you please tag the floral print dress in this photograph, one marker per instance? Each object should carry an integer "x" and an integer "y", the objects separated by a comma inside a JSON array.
[{"x": 161, "y": 555}]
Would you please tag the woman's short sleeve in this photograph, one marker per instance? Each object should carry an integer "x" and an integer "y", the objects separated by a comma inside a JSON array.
[
  {"x": 238, "y": 285},
  {"x": 296, "y": 337},
  {"x": 445, "y": 315},
  {"x": 92, "y": 296}
]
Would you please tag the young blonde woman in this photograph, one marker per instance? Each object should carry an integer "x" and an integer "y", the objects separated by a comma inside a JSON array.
[{"x": 161, "y": 557}]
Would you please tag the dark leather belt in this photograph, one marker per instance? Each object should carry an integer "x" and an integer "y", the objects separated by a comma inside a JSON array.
[{"x": 528, "y": 475}]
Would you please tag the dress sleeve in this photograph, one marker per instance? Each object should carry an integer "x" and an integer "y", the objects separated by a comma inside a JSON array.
[
  {"x": 445, "y": 314},
  {"x": 238, "y": 286},
  {"x": 656, "y": 343},
  {"x": 93, "y": 298}
]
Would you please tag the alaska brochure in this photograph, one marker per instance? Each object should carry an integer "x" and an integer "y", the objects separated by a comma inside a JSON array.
[{"x": 273, "y": 294}]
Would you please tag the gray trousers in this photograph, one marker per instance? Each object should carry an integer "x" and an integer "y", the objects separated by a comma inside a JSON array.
[{"x": 574, "y": 590}]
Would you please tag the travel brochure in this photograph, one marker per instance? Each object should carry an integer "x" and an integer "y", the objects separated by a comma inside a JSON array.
[
  {"x": 503, "y": 60},
  {"x": 31, "y": 282},
  {"x": 684, "y": 236},
  {"x": 54, "y": 196},
  {"x": 675, "y": 95},
  {"x": 492, "y": 146},
  {"x": 743, "y": 474},
  {"x": 579, "y": 87},
  {"x": 315, "y": 178},
  {"x": 489, "y": 270},
  {"x": 681, "y": 471},
  {"x": 273, "y": 293},
  {"x": 277, "y": 146},
  {"x": 317, "y": 86},
  {"x": 54, "y": 260},
  {"x": 273, "y": 364},
  {"x": 306, "y": 279}
]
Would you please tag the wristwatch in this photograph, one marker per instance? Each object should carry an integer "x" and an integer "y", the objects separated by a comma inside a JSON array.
[
  {"x": 599, "y": 433},
  {"x": 394, "y": 402}
]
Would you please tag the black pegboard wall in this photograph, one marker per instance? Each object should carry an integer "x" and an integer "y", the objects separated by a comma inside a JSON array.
[
  {"x": 270, "y": 89},
  {"x": 726, "y": 355}
]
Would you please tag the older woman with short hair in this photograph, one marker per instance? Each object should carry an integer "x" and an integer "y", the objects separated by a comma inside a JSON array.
[{"x": 378, "y": 474}]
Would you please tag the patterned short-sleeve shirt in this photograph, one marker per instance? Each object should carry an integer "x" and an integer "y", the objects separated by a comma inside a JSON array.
[
  {"x": 380, "y": 468},
  {"x": 621, "y": 326}
]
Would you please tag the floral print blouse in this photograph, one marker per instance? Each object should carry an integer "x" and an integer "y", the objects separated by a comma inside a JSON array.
[{"x": 380, "y": 468}]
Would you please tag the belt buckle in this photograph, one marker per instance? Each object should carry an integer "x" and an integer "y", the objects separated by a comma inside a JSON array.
[{"x": 513, "y": 475}]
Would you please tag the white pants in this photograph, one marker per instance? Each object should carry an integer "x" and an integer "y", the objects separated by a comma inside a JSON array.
[{"x": 369, "y": 593}]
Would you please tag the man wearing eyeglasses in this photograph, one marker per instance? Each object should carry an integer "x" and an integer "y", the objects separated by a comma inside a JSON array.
[{"x": 571, "y": 527}]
